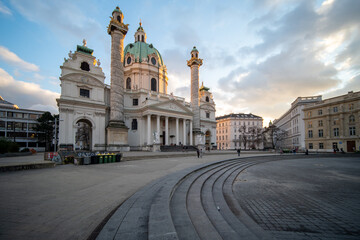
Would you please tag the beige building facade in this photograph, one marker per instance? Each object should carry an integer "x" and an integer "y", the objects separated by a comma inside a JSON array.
[
  {"x": 239, "y": 130},
  {"x": 333, "y": 124}
]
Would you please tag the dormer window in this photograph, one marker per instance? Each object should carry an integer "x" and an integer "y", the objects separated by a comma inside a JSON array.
[
  {"x": 207, "y": 99},
  {"x": 128, "y": 61},
  {"x": 85, "y": 66}
]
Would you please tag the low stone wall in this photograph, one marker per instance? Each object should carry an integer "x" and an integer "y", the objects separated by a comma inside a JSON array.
[{"x": 18, "y": 154}]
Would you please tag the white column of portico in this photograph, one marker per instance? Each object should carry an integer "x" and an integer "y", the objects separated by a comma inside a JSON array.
[
  {"x": 166, "y": 130},
  {"x": 191, "y": 133},
  {"x": 148, "y": 128},
  {"x": 177, "y": 131},
  {"x": 158, "y": 124},
  {"x": 184, "y": 131}
]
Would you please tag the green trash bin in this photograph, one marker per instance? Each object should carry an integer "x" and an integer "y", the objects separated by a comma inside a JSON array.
[
  {"x": 113, "y": 158},
  {"x": 106, "y": 159},
  {"x": 101, "y": 159}
]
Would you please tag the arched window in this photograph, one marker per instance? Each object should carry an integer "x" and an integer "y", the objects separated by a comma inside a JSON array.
[
  {"x": 138, "y": 38},
  {"x": 85, "y": 66},
  {"x": 352, "y": 118},
  {"x": 207, "y": 99},
  {"x": 142, "y": 38},
  {"x": 119, "y": 19},
  {"x": 128, "y": 83},
  {"x": 153, "y": 84},
  {"x": 196, "y": 55}
]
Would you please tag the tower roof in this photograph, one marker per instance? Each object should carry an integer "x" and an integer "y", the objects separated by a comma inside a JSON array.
[
  {"x": 117, "y": 9},
  {"x": 194, "y": 49},
  {"x": 203, "y": 88}
]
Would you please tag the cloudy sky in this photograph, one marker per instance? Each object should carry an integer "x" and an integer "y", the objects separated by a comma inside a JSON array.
[{"x": 259, "y": 55}]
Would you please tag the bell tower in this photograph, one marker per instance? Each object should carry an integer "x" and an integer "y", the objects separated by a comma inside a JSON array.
[
  {"x": 194, "y": 63},
  {"x": 117, "y": 132}
]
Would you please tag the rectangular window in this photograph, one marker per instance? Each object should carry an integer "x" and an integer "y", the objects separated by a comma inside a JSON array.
[
  {"x": 10, "y": 114},
  {"x": 309, "y": 114},
  {"x": 351, "y": 106},
  {"x": 320, "y": 123},
  {"x": 135, "y": 102},
  {"x": 320, "y": 112},
  {"x": 10, "y": 125},
  {"x": 321, "y": 133},
  {"x": 310, "y": 146},
  {"x": 134, "y": 124},
  {"x": 352, "y": 131},
  {"x": 336, "y": 132},
  {"x": 2, "y": 125},
  {"x": 310, "y": 124},
  {"x": 321, "y": 145},
  {"x": 85, "y": 93},
  {"x": 2, "y": 114},
  {"x": 207, "y": 115},
  {"x": 335, "y": 109},
  {"x": 310, "y": 133},
  {"x": 33, "y": 116}
]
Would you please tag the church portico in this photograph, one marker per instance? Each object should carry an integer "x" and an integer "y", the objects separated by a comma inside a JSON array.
[{"x": 166, "y": 130}]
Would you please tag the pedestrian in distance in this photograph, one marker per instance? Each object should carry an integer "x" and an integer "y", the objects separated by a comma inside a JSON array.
[
  {"x": 198, "y": 152},
  {"x": 238, "y": 152}
]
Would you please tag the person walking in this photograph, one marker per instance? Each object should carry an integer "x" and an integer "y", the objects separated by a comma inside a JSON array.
[
  {"x": 198, "y": 152},
  {"x": 238, "y": 152}
]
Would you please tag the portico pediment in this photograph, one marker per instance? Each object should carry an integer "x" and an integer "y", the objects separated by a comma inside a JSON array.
[{"x": 171, "y": 106}]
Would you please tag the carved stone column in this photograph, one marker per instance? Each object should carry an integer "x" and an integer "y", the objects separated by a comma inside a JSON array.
[{"x": 117, "y": 132}]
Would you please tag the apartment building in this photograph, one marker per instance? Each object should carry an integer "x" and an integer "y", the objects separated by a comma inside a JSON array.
[
  {"x": 239, "y": 130},
  {"x": 333, "y": 124},
  {"x": 292, "y": 123}
]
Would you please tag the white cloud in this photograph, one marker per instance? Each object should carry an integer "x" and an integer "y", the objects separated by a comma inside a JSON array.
[
  {"x": 4, "y": 9},
  {"x": 11, "y": 58},
  {"x": 26, "y": 95},
  {"x": 58, "y": 15}
]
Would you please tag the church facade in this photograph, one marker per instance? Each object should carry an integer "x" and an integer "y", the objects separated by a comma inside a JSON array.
[{"x": 135, "y": 112}]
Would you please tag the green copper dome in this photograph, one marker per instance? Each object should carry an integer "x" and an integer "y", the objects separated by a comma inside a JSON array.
[{"x": 141, "y": 50}]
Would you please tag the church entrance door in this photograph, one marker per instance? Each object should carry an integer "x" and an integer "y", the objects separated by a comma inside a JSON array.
[{"x": 83, "y": 135}]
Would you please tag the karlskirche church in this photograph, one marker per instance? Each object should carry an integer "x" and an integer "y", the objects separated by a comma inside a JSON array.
[{"x": 135, "y": 112}]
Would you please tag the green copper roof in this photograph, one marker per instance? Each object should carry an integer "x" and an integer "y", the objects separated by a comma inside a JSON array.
[
  {"x": 117, "y": 9},
  {"x": 84, "y": 49},
  {"x": 194, "y": 49},
  {"x": 203, "y": 88},
  {"x": 142, "y": 50}
]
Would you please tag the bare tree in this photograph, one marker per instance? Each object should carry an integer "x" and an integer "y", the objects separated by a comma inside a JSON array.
[
  {"x": 255, "y": 136},
  {"x": 273, "y": 136}
]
